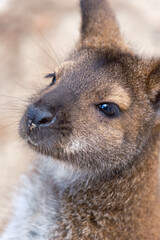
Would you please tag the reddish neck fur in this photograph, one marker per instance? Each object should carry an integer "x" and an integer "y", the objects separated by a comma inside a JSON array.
[{"x": 126, "y": 206}]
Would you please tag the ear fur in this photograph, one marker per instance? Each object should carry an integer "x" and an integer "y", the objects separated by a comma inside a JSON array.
[
  {"x": 99, "y": 27},
  {"x": 153, "y": 88}
]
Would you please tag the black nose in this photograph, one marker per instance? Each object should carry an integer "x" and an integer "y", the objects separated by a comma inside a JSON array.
[{"x": 39, "y": 116}]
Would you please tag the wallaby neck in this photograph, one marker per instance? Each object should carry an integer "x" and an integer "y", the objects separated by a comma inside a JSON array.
[{"x": 128, "y": 203}]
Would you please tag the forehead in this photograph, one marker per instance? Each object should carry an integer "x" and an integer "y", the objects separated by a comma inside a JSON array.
[
  {"x": 91, "y": 76},
  {"x": 92, "y": 71}
]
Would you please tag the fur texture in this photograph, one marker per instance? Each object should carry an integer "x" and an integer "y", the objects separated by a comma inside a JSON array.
[{"x": 98, "y": 175}]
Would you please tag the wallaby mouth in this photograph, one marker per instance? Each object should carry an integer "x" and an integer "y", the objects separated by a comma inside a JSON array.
[{"x": 44, "y": 129}]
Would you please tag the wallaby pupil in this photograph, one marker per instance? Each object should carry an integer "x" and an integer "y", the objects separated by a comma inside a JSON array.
[{"x": 110, "y": 109}]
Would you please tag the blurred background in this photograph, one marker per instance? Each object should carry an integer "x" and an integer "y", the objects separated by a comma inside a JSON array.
[{"x": 35, "y": 36}]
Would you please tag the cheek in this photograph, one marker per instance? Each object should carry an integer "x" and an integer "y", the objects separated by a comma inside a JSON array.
[
  {"x": 94, "y": 130},
  {"x": 113, "y": 134},
  {"x": 76, "y": 144},
  {"x": 110, "y": 129}
]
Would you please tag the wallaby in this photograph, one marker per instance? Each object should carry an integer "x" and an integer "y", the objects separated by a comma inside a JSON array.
[{"x": 96, "y": 127}]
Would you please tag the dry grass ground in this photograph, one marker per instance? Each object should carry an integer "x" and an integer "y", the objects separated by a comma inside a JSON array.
[{"x": 32, "y": 35}]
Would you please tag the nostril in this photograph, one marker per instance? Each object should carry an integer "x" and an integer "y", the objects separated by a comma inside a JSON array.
[
  {"x": 45, "y": 120},
  {"x": 42, "y": 117},
  {"x": 39, "y": 116}
]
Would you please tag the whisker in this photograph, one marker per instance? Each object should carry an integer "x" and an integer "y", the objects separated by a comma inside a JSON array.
[
  {"x": 17, "y": 98},
  {"x": 39, "y": 62},
  {"x": 24, "y": 87},
  {"x": 48, "y": 43},
  {"x": 48, "y": 55}
]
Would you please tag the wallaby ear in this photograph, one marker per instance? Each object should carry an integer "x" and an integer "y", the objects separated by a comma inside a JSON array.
[
  {"x": 153, "y": 88},
  {"x": 99, "y": 27}
]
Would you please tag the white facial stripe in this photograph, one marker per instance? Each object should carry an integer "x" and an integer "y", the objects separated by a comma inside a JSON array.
[{"x": 76, "y": 145}]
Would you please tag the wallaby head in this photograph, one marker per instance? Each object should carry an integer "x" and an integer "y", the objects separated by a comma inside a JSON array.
[{"x": 103, "y": 103}]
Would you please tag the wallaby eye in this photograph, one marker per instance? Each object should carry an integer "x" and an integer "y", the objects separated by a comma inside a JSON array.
[
  {"x": 110, "y": 109},
  {"x": 53, "y": 76}
]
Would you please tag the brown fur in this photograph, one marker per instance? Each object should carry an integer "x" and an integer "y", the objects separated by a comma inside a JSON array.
[{"x": 116, "y": 195}]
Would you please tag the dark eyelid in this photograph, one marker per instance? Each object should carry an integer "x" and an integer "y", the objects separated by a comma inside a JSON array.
[
  {"x": 53, "y": 76},
  {"x": 108, "y": 104},
  {"x": 50, "y": 75}
]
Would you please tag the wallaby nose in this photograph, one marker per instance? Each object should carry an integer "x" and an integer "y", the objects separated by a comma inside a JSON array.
[{"x": 39, "y": 117}]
